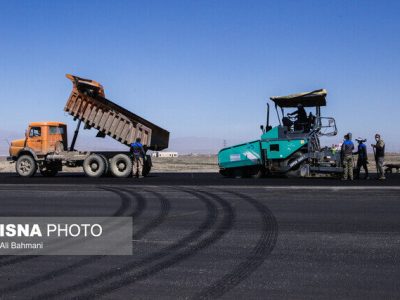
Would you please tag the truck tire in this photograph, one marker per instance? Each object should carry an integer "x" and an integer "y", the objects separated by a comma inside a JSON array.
[
  {"x": 147, "y": 164},
  {"x": 121, "y": 165},
  {"x": 26, "y": 166},
  {"x": 106, "y": 163},
  {"x": 94, "y": 165}
]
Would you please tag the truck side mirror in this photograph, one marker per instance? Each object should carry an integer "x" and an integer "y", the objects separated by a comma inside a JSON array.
[
  {"x": 262, "y": 128},
  {"x": 26, "y": 133}
]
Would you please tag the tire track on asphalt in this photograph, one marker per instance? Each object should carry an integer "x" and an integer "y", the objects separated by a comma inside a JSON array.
[
  {"x": 221, "y": 229},
  {"x": 165, "y": 206},
  {"x": 122, "y": 209},
  {"x": 257, "y": 256},
  {"x": 161, "y": 255}
]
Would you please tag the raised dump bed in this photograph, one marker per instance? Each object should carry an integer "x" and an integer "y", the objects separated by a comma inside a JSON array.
[
  {"x": 45, "y": 146},
  {"x": 87, "y": 103}
]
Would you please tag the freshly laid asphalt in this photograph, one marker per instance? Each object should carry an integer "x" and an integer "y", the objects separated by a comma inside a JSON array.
[
  {"x": 204, "y": 236},
  {"x": 197, "y": 179}
]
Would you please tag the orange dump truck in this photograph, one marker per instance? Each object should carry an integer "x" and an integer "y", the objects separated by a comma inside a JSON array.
[{"x": 45, "y": 146}]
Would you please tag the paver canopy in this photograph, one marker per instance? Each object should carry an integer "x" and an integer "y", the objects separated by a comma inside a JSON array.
[{"x": 309, "y": 99}]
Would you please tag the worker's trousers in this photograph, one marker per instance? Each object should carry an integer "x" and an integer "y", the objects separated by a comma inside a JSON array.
[
  {"x": 137, "y": 166},
  {"x": 364, "y": 164},
  {"x": 379, "y": 165},
  {"x": 348, "y": 167}
]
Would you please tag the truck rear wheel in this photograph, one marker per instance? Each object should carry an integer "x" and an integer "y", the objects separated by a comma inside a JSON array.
[
  {"x": 106, "y": 164},
  {"x": 121, "y": 165},
  {"x": 147, "y": 164},
  {"x": 26, "y": 166},
  {"x": 94, "y": 165}
]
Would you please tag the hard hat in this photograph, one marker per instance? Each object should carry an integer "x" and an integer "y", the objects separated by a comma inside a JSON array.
[{"x": 361, "y": 140}]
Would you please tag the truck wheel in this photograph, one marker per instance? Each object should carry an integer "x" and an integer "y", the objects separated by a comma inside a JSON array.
[
  {"x": 106, "y": 164},
  {"x": 147, "y": 164},
  {"x": 121, "y": 165},
  {"x": 94, "y": 165},
  {"x": 26, "y": 166}
]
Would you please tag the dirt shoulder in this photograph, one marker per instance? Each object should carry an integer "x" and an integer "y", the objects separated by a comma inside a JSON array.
[
  {"x": 177, "y": 164},
  {"x": 195, "y": 164}
]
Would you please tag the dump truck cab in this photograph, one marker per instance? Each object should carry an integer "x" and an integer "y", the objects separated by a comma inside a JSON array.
[
  {"x": 292, "y": 147},
  {"x": 41, "y": 138}
]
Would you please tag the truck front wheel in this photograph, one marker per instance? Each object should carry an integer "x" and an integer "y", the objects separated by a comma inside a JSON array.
[
  {"x": 26, "y": 166},
  {"x": 94, "y": 165}
]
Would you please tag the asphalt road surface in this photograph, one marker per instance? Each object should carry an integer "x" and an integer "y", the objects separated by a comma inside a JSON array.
[{"x": 201, "y": 236}]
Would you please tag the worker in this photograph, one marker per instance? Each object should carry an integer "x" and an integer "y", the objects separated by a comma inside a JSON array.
[
  {"x": 301, "y": 117},
  {"x": 362, "y": 160},
  {"x": 347, "y": 157},
  {"x": 310, "y": 122},
  {"x": 379, "y": 151},
  {"x": 138, "y": 156}
]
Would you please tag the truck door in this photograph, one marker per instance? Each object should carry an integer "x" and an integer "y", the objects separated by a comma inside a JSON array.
[{"x": 35, "y": 139}]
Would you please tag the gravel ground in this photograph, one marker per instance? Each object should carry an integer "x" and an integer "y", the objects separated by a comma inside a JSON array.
[
  {"x": 179, "y": 164},
  {"x": 189, "y": 164}
]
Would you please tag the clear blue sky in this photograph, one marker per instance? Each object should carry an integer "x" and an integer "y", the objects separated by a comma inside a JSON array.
[{"x": 204, "y": 68}]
